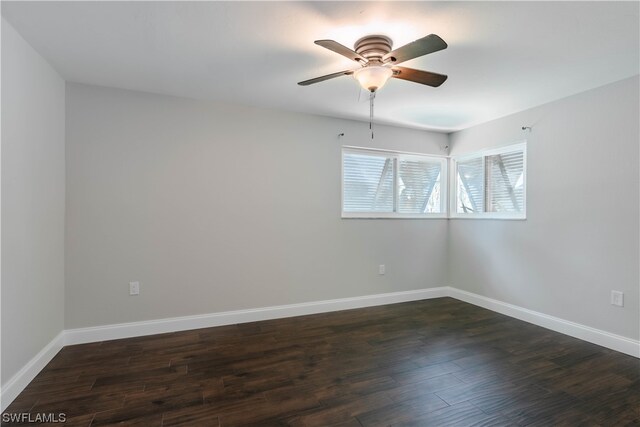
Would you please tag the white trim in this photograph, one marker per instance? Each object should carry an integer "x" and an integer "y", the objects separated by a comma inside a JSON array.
[
  {"x": 453, "y": 192},
  {"x": 151, "y": 327},
  {"x": 491, "y": 215},
  {"x": 586, "y": 333},
  {"x": 356, "y": 149},
  {"x": 498, "y": 149},
  {"x": 134, "y": 329},
  {"x": 24, "y": 376},
  {"x": 392, "y": 215}
]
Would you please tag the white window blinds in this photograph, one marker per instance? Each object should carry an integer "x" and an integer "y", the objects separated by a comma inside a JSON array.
[
  {"x": 419, "y": 186},
  {"x": 470, "y": 186},
  {"x": 390, "y": 184},
  {"x": 491, "y": 183},
  {"x": 367, "y": 183},
  {"x": 505, "y": 182}
]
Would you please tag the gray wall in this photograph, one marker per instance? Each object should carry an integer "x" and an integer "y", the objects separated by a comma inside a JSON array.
[
  {"x": 33, "y": 191},
  {"x": 217, "y": 207},
  {"x": 580, "y": 239}
]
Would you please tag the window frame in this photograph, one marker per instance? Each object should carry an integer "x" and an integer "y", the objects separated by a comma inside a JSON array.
[
  {"x": 453, "y": 177},
  {"x": 396, "y": 156}
]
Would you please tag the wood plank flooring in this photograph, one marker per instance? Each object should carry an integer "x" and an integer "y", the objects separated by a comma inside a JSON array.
[{"x": 438, "y": 362}]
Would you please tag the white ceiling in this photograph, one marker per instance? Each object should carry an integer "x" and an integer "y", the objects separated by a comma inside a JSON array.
[{"x": 503, "y": 57}]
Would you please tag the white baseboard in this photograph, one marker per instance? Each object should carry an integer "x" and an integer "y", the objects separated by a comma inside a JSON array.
[
  {"x": 126, "y": 330},
  {"x": 12, "y": 388},
  {"x": 135, "y": 329},
  {"x": 596, "y": 336}
]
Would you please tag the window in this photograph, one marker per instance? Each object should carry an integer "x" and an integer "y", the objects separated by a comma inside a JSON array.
[
  {"x": 491, "y": 184},
  {"x": 385, "y": 184}
]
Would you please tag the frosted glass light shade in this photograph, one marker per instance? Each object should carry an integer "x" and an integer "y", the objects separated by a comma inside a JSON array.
[{"x": 373, "y": 78}]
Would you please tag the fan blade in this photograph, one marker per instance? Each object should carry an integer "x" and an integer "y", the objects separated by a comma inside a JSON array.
[
  {"x": 420, "y": 47},
  {"x": 327, "y": 77},
  {"x": 418, "y": 76},
  {"x": 342, "y": 50}
]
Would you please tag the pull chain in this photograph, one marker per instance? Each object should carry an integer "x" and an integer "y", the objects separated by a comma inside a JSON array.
[{"x": 372, "y": 96}]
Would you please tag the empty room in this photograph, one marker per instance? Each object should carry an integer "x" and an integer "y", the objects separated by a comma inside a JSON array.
[{"x": 320, "y": 213}]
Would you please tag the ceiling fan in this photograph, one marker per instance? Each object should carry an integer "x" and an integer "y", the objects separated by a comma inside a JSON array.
[{"x": 378, "y": 62}]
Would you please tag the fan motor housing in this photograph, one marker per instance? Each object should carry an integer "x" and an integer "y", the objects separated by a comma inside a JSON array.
[{"x": 374, "y": 47}]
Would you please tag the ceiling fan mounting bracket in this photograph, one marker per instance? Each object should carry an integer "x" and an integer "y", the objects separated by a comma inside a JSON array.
[{"x": 373, "y": 47}]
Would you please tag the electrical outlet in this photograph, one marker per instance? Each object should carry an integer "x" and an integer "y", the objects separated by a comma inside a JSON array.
[
  {"x": 382, "y": 269},
  {"x": 134, "y": 288},
  {"x": 617, "y": 298}
]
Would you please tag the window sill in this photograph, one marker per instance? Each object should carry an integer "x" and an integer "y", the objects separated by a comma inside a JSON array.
[
  {"x": 501, "y": 217},
  {"x": 354, "y": 215},
  {"x": 382, "y": 215}
]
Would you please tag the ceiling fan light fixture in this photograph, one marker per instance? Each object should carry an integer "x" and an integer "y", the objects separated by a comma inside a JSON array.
[{"x": 373, "y": 77}]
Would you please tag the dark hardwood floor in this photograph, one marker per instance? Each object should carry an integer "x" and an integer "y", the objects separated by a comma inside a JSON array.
[{"x": 438, "y": 362}]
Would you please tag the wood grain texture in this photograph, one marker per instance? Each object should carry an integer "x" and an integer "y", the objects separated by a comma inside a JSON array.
[{"x": 435, "y": 362}]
